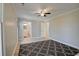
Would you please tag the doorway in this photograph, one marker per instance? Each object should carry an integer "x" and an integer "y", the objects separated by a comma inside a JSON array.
[
  {"x": 27, "y": 32},
  {"x": 45, "y": 29}
]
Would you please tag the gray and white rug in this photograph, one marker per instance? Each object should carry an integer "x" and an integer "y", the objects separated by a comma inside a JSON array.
[{"x": 47, "y": 48}]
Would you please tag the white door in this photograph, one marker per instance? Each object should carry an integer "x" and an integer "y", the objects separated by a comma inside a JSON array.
[{"x": 45, "y": 29}]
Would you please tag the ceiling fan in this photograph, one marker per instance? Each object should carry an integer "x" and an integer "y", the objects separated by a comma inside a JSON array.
[{"x": 43, "y": 12}]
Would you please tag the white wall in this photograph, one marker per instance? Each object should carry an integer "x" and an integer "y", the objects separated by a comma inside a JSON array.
[
  {"x": 0, "y": 11},
  {"x": 0, "y": 29},
  {"x": 36, "y": 29},
  {"x": 20, "y": 30},
  {"x": 65, "y": 29},
  {"x": 0, "y": 41},
  {"x": 9, "y": 28}
]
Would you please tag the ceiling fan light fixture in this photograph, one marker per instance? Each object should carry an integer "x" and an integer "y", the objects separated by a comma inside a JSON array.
[{"x": 42, "y": 14}]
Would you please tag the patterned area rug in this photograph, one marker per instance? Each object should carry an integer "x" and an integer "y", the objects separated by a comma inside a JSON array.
[{"x": 47, "y": 48}]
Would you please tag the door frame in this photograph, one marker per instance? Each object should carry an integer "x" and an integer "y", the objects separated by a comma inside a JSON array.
[
  {"x": 30, "y": 28},
  {"x": 47, "y": 29}
]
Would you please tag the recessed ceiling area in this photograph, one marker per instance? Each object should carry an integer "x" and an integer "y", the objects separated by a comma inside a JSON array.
[{"x": 28, "y": 10}]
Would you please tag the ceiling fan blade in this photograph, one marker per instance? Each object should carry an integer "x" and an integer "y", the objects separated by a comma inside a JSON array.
[
  {"x": 44, "y": 15},
  {"x": 47, "y": 13}
]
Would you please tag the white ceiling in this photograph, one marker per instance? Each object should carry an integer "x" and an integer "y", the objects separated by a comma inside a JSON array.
[{"x": 28, "y": 10}]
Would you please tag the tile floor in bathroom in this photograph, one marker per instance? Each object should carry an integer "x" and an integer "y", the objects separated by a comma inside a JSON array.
[{"x": 47, "y": 48}]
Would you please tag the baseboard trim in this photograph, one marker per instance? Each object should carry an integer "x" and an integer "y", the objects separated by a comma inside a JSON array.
[
  {"x": 15, "y": 48},
  {"x": 65, "y": 43},
  {"x": 50, "y": 38},
  {"x": 35, "y": 39}
]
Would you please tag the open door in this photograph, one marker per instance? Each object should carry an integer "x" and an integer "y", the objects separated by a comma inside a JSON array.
[{"x": 27, "y": 32}]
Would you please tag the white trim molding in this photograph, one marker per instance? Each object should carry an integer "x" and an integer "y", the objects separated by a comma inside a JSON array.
[
  {"x": 65, "y": 13},
  {"x": 15, "y": 48},
  {"x": 65, "y": 43}
]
